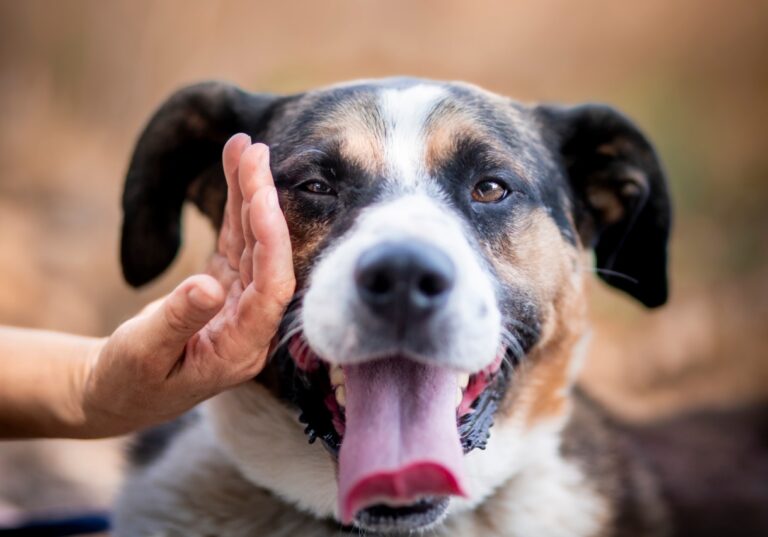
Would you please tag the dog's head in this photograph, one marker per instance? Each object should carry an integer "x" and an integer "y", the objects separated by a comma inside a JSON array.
[{"x": 438, "y": 232}]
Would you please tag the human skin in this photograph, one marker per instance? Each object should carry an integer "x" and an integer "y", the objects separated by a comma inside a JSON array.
[{"x": 209, "y": 334}]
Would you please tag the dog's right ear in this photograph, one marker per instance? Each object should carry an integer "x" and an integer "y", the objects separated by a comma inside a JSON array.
[{"x": 178, "y": 157}]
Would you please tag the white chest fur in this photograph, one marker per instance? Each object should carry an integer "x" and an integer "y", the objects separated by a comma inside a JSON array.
[{"x": 212, "y": 481}]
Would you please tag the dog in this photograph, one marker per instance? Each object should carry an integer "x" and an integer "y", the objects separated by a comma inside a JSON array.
[{"x": 425, "y": 376}]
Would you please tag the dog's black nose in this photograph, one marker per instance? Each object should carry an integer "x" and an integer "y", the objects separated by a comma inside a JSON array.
[{"x": 404, "y": 282}]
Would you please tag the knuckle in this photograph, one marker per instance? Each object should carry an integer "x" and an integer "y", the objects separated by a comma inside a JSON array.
[
  {"x": 176, "y": 318},
  {"x": 254, "y": 368},
  {"x": 146, "y": 369},
  {"x": 283, "y": 290}
]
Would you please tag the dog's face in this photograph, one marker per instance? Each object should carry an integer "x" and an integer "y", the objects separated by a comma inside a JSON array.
[{"x": 438, "y": 233}]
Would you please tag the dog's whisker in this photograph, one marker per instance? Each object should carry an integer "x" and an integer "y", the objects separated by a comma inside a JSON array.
[
  {"x": 608, "y": 272},
  {"x": 291, "y": 324},
  {"x": 303, "y": 346},
  {"x": 292, "y": 320},
  {"x": 286, "y": 338},
  {"x": 512, "y": 343},
  {"x": 521, "y": 325}
]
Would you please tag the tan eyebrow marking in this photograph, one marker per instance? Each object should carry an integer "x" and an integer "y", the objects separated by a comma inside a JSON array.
[
  {"x": 446, "y": 127},
  {"x": 359, "y": 135},
  {"x": 449, "y": 125}
]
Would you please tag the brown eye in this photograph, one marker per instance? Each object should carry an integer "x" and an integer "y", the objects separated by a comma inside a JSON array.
[
  {"x": 317, "y": 187},
  {"x": 489, "y": 191}
]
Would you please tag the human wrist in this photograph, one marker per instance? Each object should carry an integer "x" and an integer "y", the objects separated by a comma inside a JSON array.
[{"x": 79, "y": 417}]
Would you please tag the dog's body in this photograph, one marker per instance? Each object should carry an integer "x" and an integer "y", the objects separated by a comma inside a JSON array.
[
  {"x": 594, "y": 483},
  {"x": 436, "y": 227}
]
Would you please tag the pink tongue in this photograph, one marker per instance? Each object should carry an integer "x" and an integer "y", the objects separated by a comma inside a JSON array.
[{"x": 401, "y": 442}]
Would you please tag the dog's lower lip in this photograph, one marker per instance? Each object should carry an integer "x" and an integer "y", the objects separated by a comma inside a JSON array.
[{"x": 383, "y": 517}]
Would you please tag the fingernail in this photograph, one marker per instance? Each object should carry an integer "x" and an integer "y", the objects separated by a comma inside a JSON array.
[
  {"x": 201, "y": 299},
  {"x": 243, "y": 136},
  {"x": 264, "y": 156},
  {"x": 272, "y": 202}
]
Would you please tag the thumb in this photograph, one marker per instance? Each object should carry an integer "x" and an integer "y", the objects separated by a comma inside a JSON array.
[{"x": 181, "y": 315}]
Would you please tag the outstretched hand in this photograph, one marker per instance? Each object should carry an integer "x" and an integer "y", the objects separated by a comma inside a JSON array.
[{"x": 213, "y": 331}]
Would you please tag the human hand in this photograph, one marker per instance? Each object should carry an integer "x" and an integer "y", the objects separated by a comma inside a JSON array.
[{"x": 213, "y": 331}]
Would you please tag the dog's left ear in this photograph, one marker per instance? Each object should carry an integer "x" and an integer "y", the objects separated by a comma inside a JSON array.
[
  {"x": 178, "y": 157},
  {"x": 622, "y": 206}
]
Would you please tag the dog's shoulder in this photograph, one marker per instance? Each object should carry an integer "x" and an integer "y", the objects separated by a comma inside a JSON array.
[
  {"x": 675, "y": 473},
  {"x": 183, "y": 473},
  {"x": 713, "y": 468},
  {"x": 149, "y": 445},
  {"x": 617, "y": 468}
]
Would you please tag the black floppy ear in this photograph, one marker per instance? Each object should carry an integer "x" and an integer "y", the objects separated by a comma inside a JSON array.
[
  {"x": 622, "y": 204},
  {"x": 178, "y": 157}
]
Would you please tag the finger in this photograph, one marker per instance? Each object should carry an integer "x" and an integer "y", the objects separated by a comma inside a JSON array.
[
  {"x": 218, "y": 267},
  {"x": 262, "y": 304},
  {"x": 253, "y": 165},
  {"x": 163, "y": 333},
  {"x": 260, "y": 308},
  {"x": 152, "y": 306},
  {"x": 253, "y": 172},
  {"x": 231, "y": 241},
  {"x": 246, "y": 258},
  {"x": 272, "y": 256}
]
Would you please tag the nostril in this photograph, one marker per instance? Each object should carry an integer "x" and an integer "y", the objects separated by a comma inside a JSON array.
[
  {"x": 433, "y": 285},
  {"x": 379, "y": 283}
]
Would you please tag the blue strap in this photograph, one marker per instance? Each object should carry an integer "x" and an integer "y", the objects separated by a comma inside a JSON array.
[{"x": 59, "y": 527}]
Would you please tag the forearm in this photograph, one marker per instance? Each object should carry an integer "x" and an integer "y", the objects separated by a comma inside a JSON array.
[
  {"x": 177, "y": 352},
  {"x": 42, "y": 381}
]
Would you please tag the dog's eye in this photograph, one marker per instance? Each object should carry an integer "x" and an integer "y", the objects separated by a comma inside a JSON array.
[
  {"x": 489, "y": 191},
  {"x": 316, "y": 186}
]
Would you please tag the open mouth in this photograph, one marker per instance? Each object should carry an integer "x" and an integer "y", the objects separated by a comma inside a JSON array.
[{"x": 399, "y": 429}]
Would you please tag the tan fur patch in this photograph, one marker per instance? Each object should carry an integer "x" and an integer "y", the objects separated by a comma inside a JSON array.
[
  {"x": 538, "y": 260},
  {"x": 607, "y": 203},
  {"x": 360, "y": 136},
  {"x": 535, "y": 256},
  {"x": 443, "y": 134},
  {"x": 305, "y": 241},
  {"x": 548, "y": 382},
  {"x": 453, "y": 125}
]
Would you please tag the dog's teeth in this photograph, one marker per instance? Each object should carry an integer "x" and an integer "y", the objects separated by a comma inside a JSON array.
[
  {"x": 341, "y": 396},
  {"x": 459, "y": 396},
  {"x": 337, "y": 376},
  {"x": 463, "y": 379}
]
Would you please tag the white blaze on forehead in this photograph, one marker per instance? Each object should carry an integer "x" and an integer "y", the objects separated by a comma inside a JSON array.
[{"x": 404, "y": 113}]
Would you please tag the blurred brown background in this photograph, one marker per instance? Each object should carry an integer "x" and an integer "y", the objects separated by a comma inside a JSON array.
[{"x": 79, "y": 78}]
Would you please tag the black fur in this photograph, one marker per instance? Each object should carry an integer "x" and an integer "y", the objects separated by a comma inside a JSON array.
[
  {"x": 632, "y": 252},
  {"x": 150, "y": 444},
  {"x": 178, "y": 155}
]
